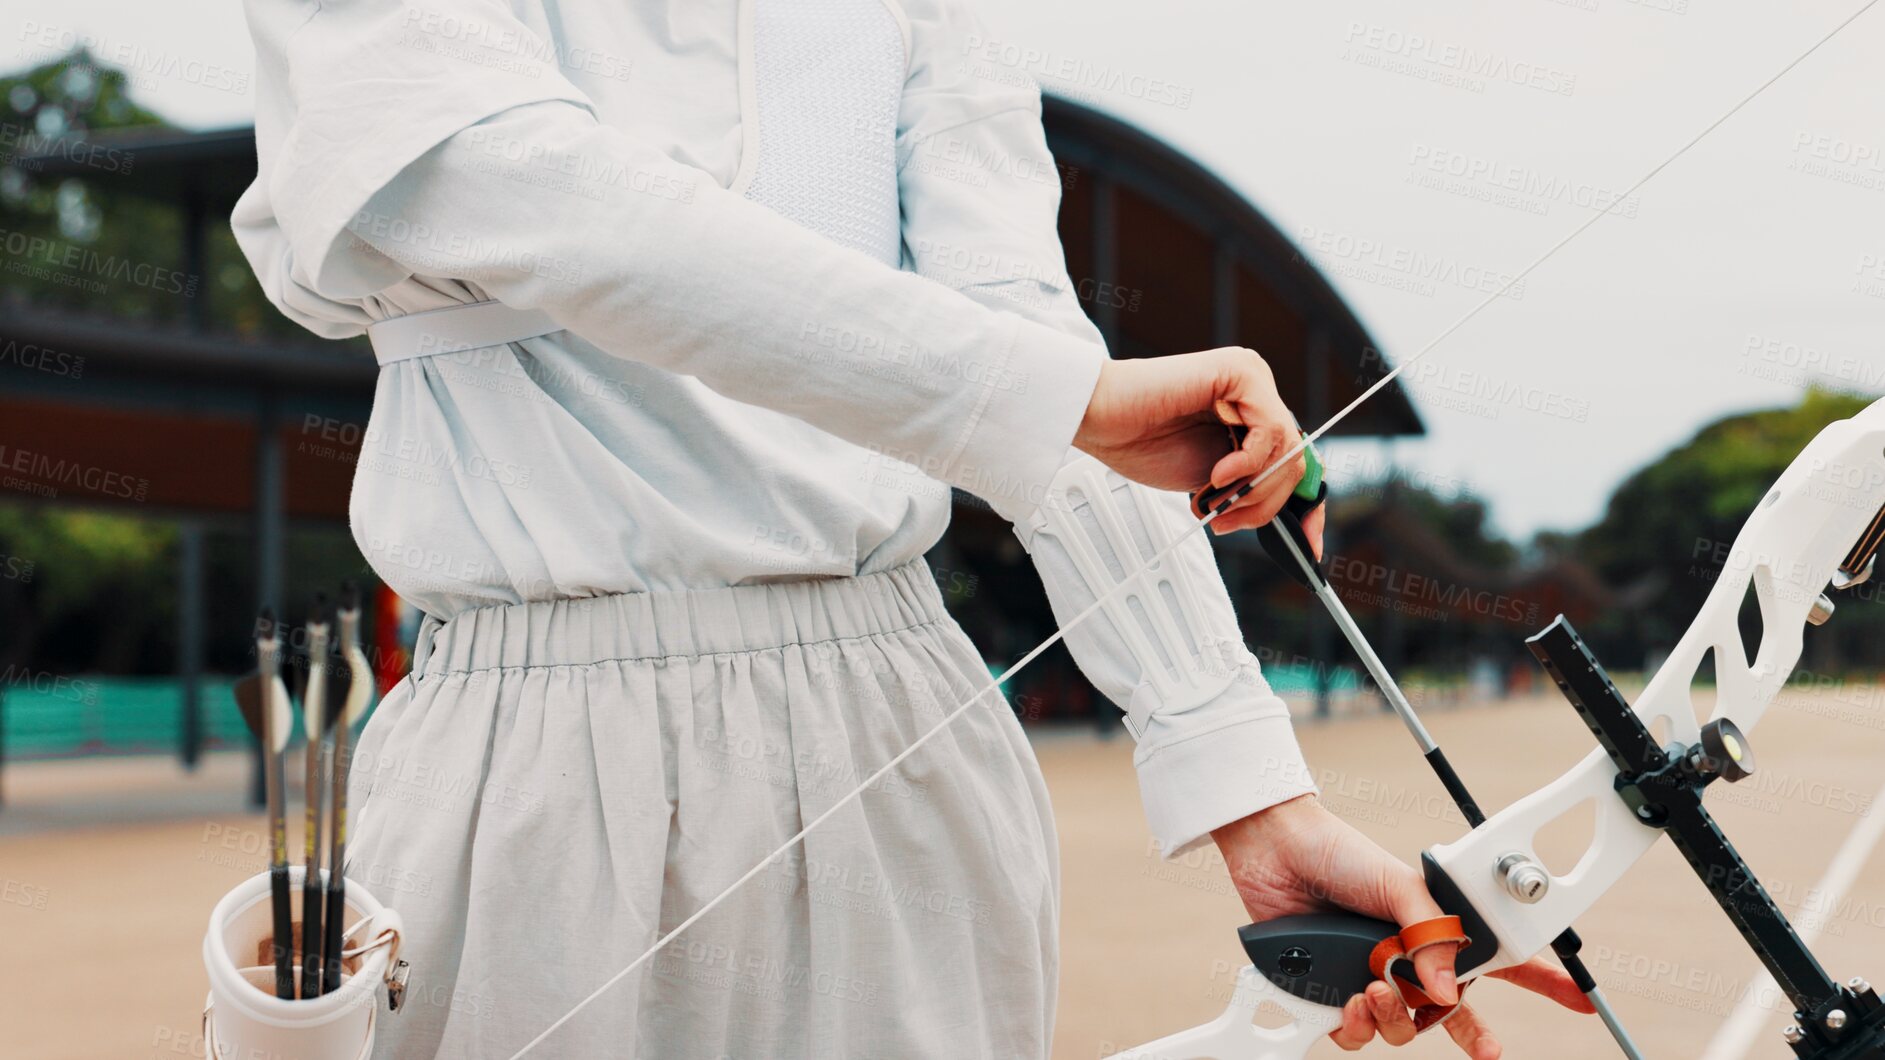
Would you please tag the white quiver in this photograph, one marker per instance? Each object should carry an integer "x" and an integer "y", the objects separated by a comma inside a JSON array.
[{"x": 243, "y": 1018}]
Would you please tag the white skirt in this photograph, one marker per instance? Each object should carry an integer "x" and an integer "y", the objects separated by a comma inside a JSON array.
[{"x": 560, "y": 783}]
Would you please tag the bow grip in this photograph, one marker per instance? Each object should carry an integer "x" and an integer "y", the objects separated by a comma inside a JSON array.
[
  {"x": 1319, "y": 957},
  {"x": 1323, "y": 958}
]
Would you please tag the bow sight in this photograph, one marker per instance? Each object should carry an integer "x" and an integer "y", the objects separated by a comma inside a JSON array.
[
  {"x": 1663, "y": 787},
  {"x": 1823, "y": 523}
]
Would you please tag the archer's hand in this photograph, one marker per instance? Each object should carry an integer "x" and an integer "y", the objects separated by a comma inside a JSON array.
[
  {"x": 1160, "y": 421},
  {"x": 1297, "y": 857}
]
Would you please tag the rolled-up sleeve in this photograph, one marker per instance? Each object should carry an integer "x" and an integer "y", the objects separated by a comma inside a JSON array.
[
  {"x": 981, "y": 195},
  {"x": 392, "y": 162}
]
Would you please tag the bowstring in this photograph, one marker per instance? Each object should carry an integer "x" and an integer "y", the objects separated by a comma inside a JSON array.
[{"x": 1159, "y": 556}]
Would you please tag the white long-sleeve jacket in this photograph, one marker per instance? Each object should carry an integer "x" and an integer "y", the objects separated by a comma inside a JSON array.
[{"x": 806, "y": 255}]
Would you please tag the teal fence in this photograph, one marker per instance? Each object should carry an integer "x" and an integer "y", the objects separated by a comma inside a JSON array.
[{"x": 112, "y": 715}]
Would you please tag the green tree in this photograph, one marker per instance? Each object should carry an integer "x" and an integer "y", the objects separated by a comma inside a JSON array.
[
  {"x": 1463, "y": 519},
  {"x": 1668, "y": 527},
  {"x": 92, "y": 592},
  {"x": 76, "y": 104},
  {"x": 65, "y": 102}
]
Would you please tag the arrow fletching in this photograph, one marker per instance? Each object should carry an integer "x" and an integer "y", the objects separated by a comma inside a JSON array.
[
  {"x": 281, "y": 715},
  {"x": 248, "y": 693},
  {"x": 314, "y": 712},
  {"x": 261, "y": 696},
  {"x": 359, "y": 674}
]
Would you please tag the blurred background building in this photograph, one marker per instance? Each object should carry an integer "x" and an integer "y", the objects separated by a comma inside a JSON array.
[{"x": 173, "y": 453}]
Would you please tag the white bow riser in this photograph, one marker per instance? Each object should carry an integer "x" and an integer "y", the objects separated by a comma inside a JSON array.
[{"x": 1787, "y": 553}]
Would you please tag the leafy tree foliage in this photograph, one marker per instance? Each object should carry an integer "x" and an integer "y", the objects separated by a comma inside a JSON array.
[{"x": 1669, "y": 527}]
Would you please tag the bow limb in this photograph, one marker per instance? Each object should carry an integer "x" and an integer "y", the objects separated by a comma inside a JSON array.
[
  {"x": 1789, "y": 550},
  {"x": 1235, "y": 1035}
]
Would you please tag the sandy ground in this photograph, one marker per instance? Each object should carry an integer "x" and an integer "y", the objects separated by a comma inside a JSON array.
[{"x": 108, "y": 870}]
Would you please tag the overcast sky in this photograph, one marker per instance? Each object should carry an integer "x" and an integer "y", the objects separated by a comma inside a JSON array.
[{"x": 1423, "y": 152}]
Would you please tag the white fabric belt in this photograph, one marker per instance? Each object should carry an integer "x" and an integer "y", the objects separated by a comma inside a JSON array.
[{"x": 453, "y": 328}]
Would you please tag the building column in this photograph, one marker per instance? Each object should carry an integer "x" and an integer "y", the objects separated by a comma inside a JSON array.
[
  {"x": 1224, "y": 295},
  {"x": 270, "y": 520},
  {"x": 190, "y": 640},
  {"x": 195, "y": 222},
  {"x": 1105, "y": 256}
]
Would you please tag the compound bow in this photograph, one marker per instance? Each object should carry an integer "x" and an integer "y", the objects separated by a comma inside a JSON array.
[{"x": 1821, "y": 524}]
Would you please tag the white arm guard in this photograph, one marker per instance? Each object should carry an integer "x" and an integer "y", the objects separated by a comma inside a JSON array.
[{"x": 1169, "y": 641}]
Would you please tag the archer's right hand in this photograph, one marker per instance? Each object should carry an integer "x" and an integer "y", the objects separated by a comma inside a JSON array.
[{"x": 1160, "y": 421}]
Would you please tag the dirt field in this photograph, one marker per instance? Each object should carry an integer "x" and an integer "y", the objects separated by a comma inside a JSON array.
[{"x": 108, "y": 870}]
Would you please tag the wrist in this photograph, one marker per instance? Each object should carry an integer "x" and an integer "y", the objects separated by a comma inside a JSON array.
[
  {"x": 1083, "y": 435},
  {"x": 1273, "y": 825}
]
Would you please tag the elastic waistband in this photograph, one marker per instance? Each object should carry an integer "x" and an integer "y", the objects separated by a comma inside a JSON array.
[
  {"x": 732, "y": 620},
  {"x": 452, "y": 328}
]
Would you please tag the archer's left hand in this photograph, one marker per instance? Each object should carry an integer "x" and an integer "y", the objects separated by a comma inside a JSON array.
[{"x": 1297, "y": 857}]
